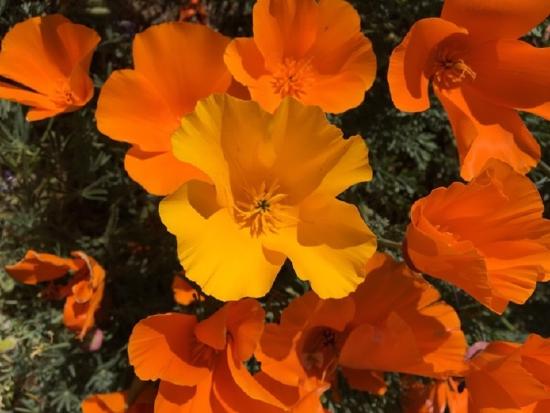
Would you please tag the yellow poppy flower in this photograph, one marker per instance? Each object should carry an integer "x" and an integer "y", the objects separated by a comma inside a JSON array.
[{"x": 272, "y": 196}]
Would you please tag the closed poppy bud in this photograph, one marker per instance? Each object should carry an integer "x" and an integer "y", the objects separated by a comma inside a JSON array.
[
  {"x": 487, "y": 237},
  {"x": 50, "y": 56}
]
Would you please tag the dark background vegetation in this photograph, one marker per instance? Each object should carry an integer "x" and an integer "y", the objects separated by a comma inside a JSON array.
[{"x": 63, "y": 188}]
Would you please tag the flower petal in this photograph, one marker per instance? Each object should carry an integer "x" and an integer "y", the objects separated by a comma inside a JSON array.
[
  {"x": 216, "y": 263},
  {"x": 104, "y": 403},
  {"x": 38, "y": 267},
  {"x": 131, "y": 110},
  {"x": 161, "y": 347},
  {"x": 511, "y": 73},
  {"x": 496, "y": 19},
  {"x": 284, "y": 28},
  {"x": 408, "y": 74},
  {"x": 182, "y": 79},
  {"x": 160, "y": 173},
  {"x": 172, "y": 398},
  {"x": 329, "y": 247},
  {"x": 484, "y": 131}
]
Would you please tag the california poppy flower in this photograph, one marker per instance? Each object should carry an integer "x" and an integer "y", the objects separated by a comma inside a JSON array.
[
  {"x": 487, "y": 237},
  {"x": 175, "y": 65},
  {"x": 275, "y": 179},
  {"x": 83, "y": 292},
  {"x": 482, "y": 74},
  {"x": 184, "y": 293},
  {"x": 311, "y": 50},
  {"x": 511, "y": 377},
  {"x": 47, "y": 61},
  {"x": 434, "y": 397},
  {"x": 200, "y": 364},
  {"x": 363, "y": 334}
]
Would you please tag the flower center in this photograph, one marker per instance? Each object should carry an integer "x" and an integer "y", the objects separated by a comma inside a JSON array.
[
  {"x": 64, "y": 95},
  {"x": 292, "y": 78},
  {"x": 262, "y": 209},
  {"x": 450, "y": 70},
  {"x": 320, "y": 351}
]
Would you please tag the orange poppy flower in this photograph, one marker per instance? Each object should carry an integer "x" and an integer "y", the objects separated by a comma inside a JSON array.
[
  {"x": 47, "y": 59},
  {"x": 234, "y": 235},
  {"x": 143, "y": 106},
  {"x": 487, "y": 237},
  {"x": 309, "y": 50},
  {"x": 364, "y": 334},
  {"x": 482, "y": 74},
  {"x": 87, "y": 289},
  {"x": 83, "y": 292},
  {"x": 200, "y": 364},
  {"x": 184, "y": 293},
  {"x": 396, "y": 306},
  {"x": 434, "y": 397},
  {"x": 511, "y": 377},
  {"x": 117, "y": 402}
]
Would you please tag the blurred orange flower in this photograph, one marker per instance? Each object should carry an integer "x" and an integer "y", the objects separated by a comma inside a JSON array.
[
  {"x": 117, "y": 402},
  {"x": 184, "y": 293},
  {"x": 487, "y": 237},
  {"x": 364, "y": 334},
  {"x": 175, "y": 65},
  {"x": 83, "y": 292},
  {"x": 47, "y": 59},
  {"x": 312, "y": 51},
  {"x": 235, "y": 234},
  {"x": 511, "y": 377},
  {"x": 200, "y": 364},
  {"x": 435, "y": 397},
  {"x": 481, "y": 74}
]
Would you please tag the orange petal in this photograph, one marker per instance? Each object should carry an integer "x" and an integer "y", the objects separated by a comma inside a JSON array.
[
  {"x": 24, "y": 59},
  {"x": 498, "y": 379},
  {"x": 511, "y": 73},
  {"x": 365, "y": 380},
  {"x": 493, "y": 20},
  {"x": 408, "y": 310},
  {"x": 161, "y": 347},
  {"x": 408, "y": 73},
  {"x": 182, "y": 78},
  {"x": 184, "y": 293},
  {"x": 284, "y": 28},
  {"x": 245, "y": 61},
  {"x": 159, "y": 172},
  {"x": 237, "y": 390},
  {"x": 105, "y": 403},
  {"x": 172, "y": 398},
  {"x": 130, "y": 109},
  {"x": 484, "y": 131},
  {"x": 37, "y": 267},
  {"x": 82, "y": 291}
]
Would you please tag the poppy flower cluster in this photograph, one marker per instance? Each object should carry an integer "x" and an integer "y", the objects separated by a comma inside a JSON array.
[
  {"x": 82, "y": 292},
  {"x": 234, "y": 134}
]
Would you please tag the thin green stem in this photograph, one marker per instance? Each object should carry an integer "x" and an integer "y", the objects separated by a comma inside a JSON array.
[
  {"x": 545, "y": 168},
  {"x": 389, "y": 243}
]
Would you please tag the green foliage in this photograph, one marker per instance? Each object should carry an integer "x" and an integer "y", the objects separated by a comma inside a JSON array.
[{"x": 64, "y": 188}]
